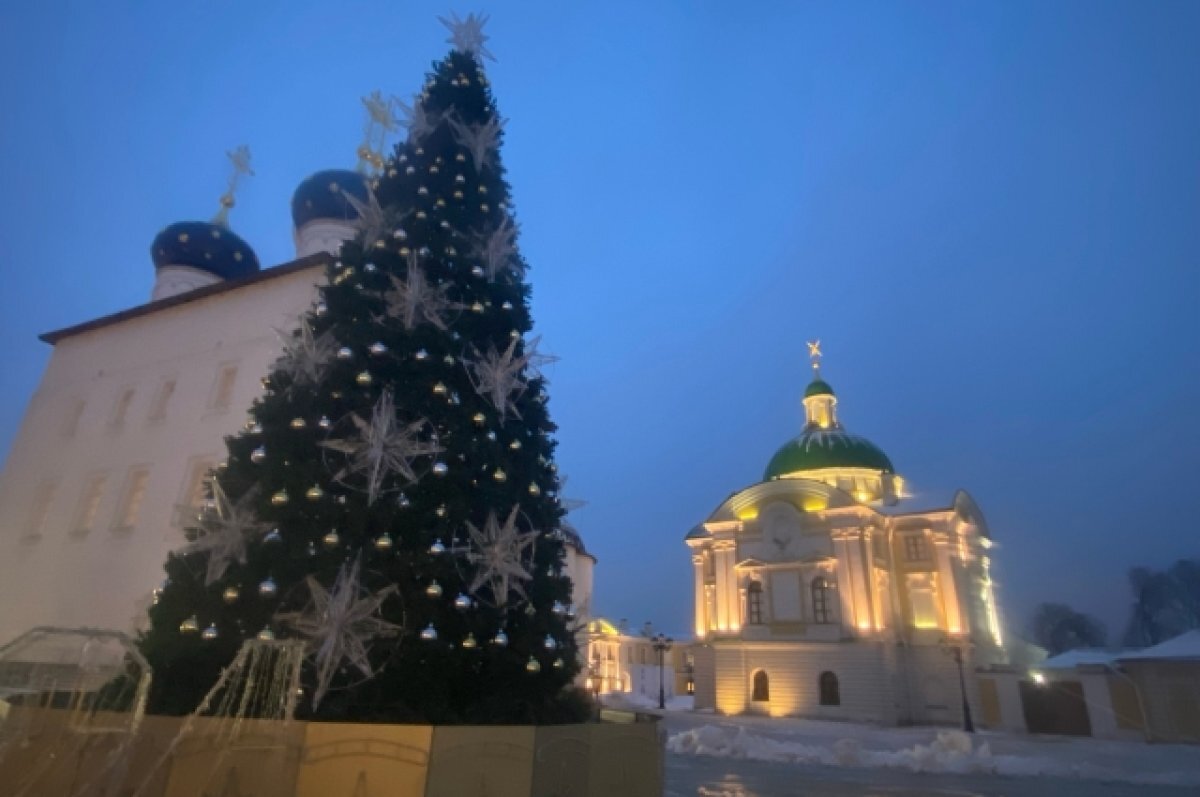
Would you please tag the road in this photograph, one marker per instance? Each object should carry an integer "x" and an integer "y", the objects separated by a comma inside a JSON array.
[{"x": 701, "y": 776}]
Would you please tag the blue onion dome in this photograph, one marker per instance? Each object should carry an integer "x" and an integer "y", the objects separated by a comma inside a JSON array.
[
  {"x": 818, "y": 448},
  {"x": 206, "y": 246},
  {"x": 320, "y": 196}
]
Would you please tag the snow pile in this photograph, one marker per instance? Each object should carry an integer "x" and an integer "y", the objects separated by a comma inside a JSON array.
[{"x": 951, "y": 751}]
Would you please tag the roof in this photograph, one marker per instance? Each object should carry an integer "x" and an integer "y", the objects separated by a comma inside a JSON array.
[
  {"x": 818, "y": 387},
  {"x": 318, "y": 259},
  {"x": 818, "y": 448},
  {"x": 1073, "y": 658},
  {"x": 1185, "y": 647}
]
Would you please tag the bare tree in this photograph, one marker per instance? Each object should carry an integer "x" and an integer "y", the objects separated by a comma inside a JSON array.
[{"x": 1059, "y": 628}]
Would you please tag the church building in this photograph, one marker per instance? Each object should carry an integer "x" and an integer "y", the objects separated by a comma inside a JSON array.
[
  {"x": 820, "y": 592},
  {"x": 110, "y": 463}
]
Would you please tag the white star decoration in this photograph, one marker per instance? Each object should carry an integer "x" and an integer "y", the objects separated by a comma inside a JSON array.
[
  {"x": 383, "y": 447},
  {"x": 340, "y": 625},
  {"x": 415, "y": 300},
  {"x": 305, "y": 356},
  {"x": 500, "y": 376},
  {"x": 467, "y": 35},
  {"x": 499, "y": 554},
  {"x": 497, "y": 249},
  {"x": 225, "y": 531},
  {"x": 480, "y": 140},
  {"x": 417, "y": 120},
  {"x": 374, "y": 221}
]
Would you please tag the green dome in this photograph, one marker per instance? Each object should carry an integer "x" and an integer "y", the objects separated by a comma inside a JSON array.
[
  {"x": 826, "y": 448},
  {"x": 818, "y": 387}
]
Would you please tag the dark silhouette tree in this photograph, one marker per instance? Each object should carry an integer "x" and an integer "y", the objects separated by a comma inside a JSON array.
[{"x": 1059, "y": 628}]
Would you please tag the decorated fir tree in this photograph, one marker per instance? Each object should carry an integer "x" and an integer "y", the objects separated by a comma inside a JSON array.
[{"x": 392, "y": 499}]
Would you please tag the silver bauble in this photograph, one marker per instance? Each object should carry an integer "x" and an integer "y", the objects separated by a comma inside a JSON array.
[
  {"x": 429, "y": 634},
  {"x": 209, "y": 634},
  {"x": 325, "y": 423},
  {"x": 258, "y": 455},
  {"x": 462, "y": 602},
  {"x": 268, "y": 588},
  {"x": 434, "y": 590},
  {"x": 266, "y": 635},
  {"x": 439, "y": 468},
  {"x": 298, "y": 423},
  {"x": 345, "y": 353},
  {"x": 549, "y": 644},
  {"x": 437, "y": 548},
  {"x": 377, "y": 348},
  {"x": 501, "y": 639},
  {"x": 363, "y": 378}
]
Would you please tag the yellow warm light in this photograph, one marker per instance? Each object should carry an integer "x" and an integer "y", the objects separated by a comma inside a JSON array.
[
  {"x": 864, "y": 626},
  {"x": 747, "y": 513},
  {"x": 863, "y": 495},
  {"x": 925, "y": 624},
  {"x": 814, "y": 504}
]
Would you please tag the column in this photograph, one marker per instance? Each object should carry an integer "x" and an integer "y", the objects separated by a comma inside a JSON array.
[
  {"x": 844, "y": 577},
  {"x": 947, "y": 586},
  {"x": 722, "y": 588},
  {"x": 733, "y": 597},
  {"x": 698, "y": 574}
]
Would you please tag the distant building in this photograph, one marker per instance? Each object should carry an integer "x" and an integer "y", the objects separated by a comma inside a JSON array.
[
  {"x": 623, "y": 663},
  {"x": 819, "y": 592}
]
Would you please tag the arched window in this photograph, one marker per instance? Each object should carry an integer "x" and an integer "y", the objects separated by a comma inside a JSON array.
[
  {"x": 822, "y": 612},
  {"x": 831, "y": 695},
  {"x": 762, "y": 687},
  {"x": 754, "y": 594}
]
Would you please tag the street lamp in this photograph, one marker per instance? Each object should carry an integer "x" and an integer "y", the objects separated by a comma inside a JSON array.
[
  {"x": 951, "y": 649},
  {"x": 594, "y": 682},
  {"x": 661, "y": 644}
]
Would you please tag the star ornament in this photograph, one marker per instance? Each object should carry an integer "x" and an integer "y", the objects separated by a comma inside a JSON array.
[
  {"x": 500, "y": 554},
  {"x": 340, "y": 624},
  {"x": 501, "y": 378},
  {"x": 374, "y": 222},
  {"x": 417, "y": 119},
  {"x": 467, "y": 35},
  {"x": 383, "y": 448},
  {"x": 497, "y": 249},
  {"x": 306, "y": 356},
  {"x": 225, "y": 532},
  {"x": 480, "y": 140},
  {"x": 415, "y": 300}
]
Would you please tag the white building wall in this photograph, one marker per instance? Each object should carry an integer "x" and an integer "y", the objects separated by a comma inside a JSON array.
[
  {"x": 60, "y": 574},
  {"x": 793, "y": 670}
]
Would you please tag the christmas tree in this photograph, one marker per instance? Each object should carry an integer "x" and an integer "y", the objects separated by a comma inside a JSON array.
[{"x": 393, "y": 498}]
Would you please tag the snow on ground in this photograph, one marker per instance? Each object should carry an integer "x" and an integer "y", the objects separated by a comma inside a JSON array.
[{"x": 929, "y": 750}]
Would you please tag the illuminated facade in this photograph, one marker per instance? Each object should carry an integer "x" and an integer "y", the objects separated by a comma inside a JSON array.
[
  {"x": 818, "y": 593},
  {"x": 618, "y": 662}
]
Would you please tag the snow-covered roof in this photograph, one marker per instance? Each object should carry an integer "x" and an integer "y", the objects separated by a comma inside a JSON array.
[
  {"x": 1073, "y": 658},
  {"x": 1184, "y": 647}
]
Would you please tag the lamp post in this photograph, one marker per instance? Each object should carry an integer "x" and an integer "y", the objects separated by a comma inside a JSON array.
[
  {"x": 594, "y": 683},
  {"x": 661, "y": 644},
  {"x": 953, "y": 650}
]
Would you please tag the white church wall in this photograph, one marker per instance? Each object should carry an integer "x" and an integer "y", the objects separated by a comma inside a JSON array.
[
  {"x": 124, "y": 419},
  {"x": 793, "y": 671}
]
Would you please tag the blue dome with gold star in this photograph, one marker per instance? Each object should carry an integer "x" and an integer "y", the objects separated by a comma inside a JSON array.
[
  {"x": 323, "y": 196},
  {"x": 206, "y": 246}
]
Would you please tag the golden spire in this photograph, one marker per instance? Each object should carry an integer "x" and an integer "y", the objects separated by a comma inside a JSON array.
[
  {"x": 814, "y": 354},
  {"x": 381, "y": 121},
  {"x": 240, "y": 158}
]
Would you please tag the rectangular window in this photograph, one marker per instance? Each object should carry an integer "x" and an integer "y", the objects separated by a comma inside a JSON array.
[
  {"x": 195, "y": 491},
  {"x": 915, "y": 549},
  {"x": 754, "y": 603},
  {"x": 159, "y": 411},
  {"x": 122, "y": 408},
  {"x": 73, "y": 415},
  {"x": 89, "y": 504},
  {"x": 43, "y": 499},
  {"x": 223, "y": 388},
  {"x": 923, "y": 600},
  {"x": 135, "y": 493}
]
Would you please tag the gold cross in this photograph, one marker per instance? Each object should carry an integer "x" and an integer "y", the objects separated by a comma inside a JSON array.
[
  {"x": 381, "y": 121},
  {"x": 814, "y": 353},
  {"x": 240, "y": 158}
]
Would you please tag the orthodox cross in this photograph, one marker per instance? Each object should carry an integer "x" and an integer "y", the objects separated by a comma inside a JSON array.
[{"x": 240, "y": 159}]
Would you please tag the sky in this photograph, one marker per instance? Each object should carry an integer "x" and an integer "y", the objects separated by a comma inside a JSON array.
[{"x": 988, "y": 212}]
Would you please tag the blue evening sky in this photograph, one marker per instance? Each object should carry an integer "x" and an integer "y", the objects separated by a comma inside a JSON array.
[{"x": 989, "y": 213}]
